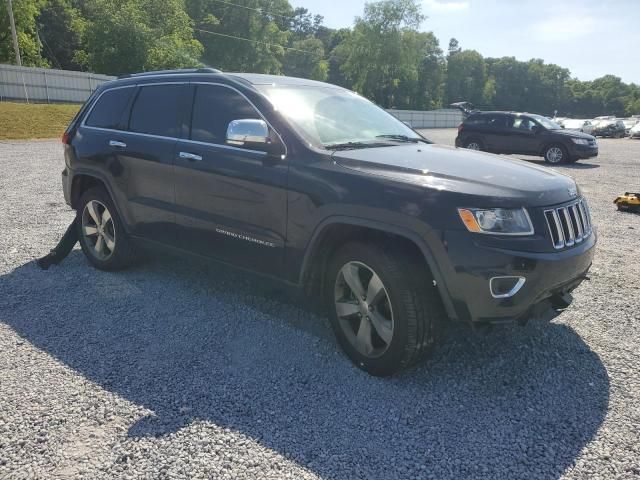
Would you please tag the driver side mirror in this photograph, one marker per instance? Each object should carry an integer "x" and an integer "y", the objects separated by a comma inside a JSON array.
[
  {"x": 536, "y": 129},
  {"x": 251, "y": 134}
]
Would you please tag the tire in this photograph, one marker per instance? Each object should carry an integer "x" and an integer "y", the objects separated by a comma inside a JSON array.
[
  {"x": 107, "y": 246},
  {"x": 555, "y": 154},
  {"x": 474, "y": 144},
  {"x": 408, "y": 307},
  {"x": 623, "y": 207}
]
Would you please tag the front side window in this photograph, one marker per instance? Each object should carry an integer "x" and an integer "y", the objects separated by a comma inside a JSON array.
[
  {"x": 109, "y": 109},
  {"x": 156, "y": 110},
  {"x": 524, "y": 124},
  {"x": 328, "y": 116},
  {"x": 546, "y": 123},
  {"x": 214, "y": 107}
]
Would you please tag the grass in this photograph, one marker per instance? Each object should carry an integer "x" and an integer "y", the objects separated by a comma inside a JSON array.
[{"x": 24, "y": 121}]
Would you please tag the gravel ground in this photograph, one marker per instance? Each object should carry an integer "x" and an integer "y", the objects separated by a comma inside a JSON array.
[{"x": 179, "y": 370}]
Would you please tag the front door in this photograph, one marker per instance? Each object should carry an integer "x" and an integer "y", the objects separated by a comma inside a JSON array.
[
  {"x": 230, "y": 201},
  {"x": 525, "y": 136}
]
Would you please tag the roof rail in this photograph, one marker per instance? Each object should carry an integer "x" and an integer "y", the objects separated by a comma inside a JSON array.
[{"x": 172, "y": 72}]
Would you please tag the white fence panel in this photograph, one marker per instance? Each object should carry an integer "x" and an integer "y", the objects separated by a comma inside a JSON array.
[
  {"x": 445, "y": 118},
  {"x": 47, "y": 85}
]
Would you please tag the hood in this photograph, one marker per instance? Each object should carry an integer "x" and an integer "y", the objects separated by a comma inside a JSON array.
[
  {"x": 567, "y": 132},
  {"x": 443, "y": 168}
]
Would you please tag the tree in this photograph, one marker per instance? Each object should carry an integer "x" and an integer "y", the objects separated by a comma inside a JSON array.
[
  {"x": 60, "y": 27},
  {"x": 454, "y": 47},
  {"x": 137, "y": 35},
  {"x": 243, "y": 39},
  {"x": 307, "y": 60},
  {"x": 25, "y": 13},
  {"x": 466, "y": 77},
  {"x": 381, "y": 61}
]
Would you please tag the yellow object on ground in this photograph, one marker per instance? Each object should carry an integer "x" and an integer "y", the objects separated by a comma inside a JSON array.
[
  {"x": 34, "y": 120},
  {"x": 628, "y": 202}
]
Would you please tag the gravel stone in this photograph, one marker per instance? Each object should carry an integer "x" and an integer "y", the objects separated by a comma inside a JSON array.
[{"x": 175, "y": 370}]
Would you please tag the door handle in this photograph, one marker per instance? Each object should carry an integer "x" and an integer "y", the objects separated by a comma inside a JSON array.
[
  {"x": 116, "y": 143},
  {"x": 190, "y": 156}
]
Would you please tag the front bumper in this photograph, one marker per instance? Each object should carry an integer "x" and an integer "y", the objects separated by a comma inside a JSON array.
[
  {"x": 583, "y": 151},
  {"x": 549, "y": 278}
]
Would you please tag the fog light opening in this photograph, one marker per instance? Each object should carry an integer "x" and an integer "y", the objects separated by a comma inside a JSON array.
[{"x": 505, "y": 287}]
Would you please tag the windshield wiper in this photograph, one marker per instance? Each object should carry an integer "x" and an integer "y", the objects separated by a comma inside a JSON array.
[
  {"x": 404, "y": 138},
  {"x": 354, "y": 145}
]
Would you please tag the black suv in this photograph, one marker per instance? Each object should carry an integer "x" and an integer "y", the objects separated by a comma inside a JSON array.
[
  {"x": 314, "y": 185},
  {"x": 524, "y": 134}
]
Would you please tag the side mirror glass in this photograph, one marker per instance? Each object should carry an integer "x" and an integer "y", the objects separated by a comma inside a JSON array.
[
  {"x": 536, "y": 129},
  {"x": 249, "y": 133}
]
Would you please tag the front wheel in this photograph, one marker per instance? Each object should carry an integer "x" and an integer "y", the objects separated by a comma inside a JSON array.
[
  {"x": 383, "y": 307},
  {"x": 555, "y": 154}
]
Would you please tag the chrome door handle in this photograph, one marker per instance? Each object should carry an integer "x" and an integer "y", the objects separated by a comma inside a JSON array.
[
  {"x": 190, "y": 156},
  {"x": 116, "y": 143}
]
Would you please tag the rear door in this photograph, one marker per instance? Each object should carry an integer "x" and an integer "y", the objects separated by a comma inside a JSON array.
[
  {"x": 498, "y": 134},
  {"x": 146, "y": 151},
  {"x": 231, "y": 202}
]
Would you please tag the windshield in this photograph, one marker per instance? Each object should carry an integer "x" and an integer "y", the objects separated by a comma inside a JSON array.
[
  {"x": 546, "y": 123},
  {"x": 328, "y": 117}
]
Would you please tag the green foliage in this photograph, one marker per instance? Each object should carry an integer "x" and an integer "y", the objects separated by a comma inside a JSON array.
[
  {"x": 60, "y": 26},
  {"x": 384, "y": 56},
  {"x": 466, "y": 76},
  {"x": 25, "y": 13},
  {"x": 307, "y": 60},
  {"x": 136, "y": 35}
]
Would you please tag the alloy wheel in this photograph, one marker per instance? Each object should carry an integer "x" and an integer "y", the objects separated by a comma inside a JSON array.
[
  {"x": 555, "y": 155},
  {"x": 473, "y": 146},
  {"x": 98, "y": 229},
  {"x": 363, "y": 309}
]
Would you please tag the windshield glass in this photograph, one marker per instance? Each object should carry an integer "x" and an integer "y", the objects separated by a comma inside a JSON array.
[
  {"x": 546, "y": 123},
  {"x": 332, "y": 116}
]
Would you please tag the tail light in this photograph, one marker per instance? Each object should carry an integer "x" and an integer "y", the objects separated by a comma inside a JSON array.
[
  {"x": 66, "y": 138},
  {"x": 460, "y": 127}
]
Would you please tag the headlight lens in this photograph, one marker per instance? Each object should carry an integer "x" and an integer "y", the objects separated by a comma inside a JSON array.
[
  {"x": 580, "y": 141},
  {"x": 497, "y": 221}
]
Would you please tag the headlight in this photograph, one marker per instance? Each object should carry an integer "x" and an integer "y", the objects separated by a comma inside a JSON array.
[
  {"x": 580, "y": 141},
  {"x": 497, "y": 221}
]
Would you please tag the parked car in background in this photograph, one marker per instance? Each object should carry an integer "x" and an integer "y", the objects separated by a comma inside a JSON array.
[
  {"x": 635, "y": 131},
  {"x": 612, "y": 128},
  {"x": 523, "y": 133},
  {"x": 584, "y": 126},
  {"x": 606, "y": 117},
  {"x": 629, "y": 123}
]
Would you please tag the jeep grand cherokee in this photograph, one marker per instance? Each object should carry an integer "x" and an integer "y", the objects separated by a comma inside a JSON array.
[{"x": 314, "y": 185}]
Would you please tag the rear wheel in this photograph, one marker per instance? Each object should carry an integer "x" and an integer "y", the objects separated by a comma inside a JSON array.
[
  {"x": 383, "y": 307},
  {"x": 555, "y": 154},
  {"x": 102, "y": 236},
  {"x": 473, "y": 144}
]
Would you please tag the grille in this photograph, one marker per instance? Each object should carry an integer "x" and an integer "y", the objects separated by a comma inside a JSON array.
[{"x": 570, "y": 224}]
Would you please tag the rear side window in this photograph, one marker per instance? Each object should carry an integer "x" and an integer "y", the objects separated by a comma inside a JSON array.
[
  {"x": 156, "y": 110},
  {"x": 108, "y": 110},
  {"x": 214, "y": 107},
  {"x": 500, "y": 121},
  {"x": 476, "y": 120}
]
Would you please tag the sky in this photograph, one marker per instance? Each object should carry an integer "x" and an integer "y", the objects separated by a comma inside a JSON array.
[{"x": 591, "y": 38}]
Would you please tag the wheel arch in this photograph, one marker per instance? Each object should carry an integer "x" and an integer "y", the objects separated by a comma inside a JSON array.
[
  {"x": 83, "y": 181},
  {"x": 336, "y": 231}
]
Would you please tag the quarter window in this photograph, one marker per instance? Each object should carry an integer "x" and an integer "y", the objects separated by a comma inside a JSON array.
[
  {"x": 156, "y": 110},
  {"x": 214, "y": 107},
  {"x": 107, "y": 113}
]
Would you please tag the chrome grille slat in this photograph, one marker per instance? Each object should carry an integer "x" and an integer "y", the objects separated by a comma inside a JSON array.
[{"x": 569, "y": 224}]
